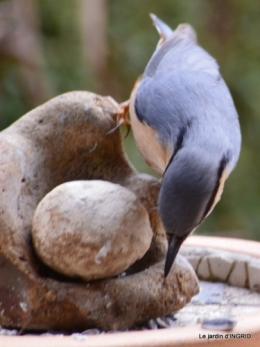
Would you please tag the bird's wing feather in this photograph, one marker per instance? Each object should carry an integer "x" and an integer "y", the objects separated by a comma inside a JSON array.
[
  {"x": 173, "y": 102},
  {"x": 166, "y": 103}
]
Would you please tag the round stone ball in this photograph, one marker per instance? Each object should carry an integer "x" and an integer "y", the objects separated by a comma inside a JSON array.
[{"x": 90, "y": 229}]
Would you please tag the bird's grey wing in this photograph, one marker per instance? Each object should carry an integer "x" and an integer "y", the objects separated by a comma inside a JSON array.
[
  {"x": 173, "y": 103},
  {"x": 161, "y": 103}
]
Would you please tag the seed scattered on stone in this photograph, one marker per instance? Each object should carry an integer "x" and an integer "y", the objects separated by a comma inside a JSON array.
[
  {"x": 219, "y": 324},
  {"x": 79, "y": 337},
  {"x": 91, "y": 332},
  {"x": 152, "y": 324},
  {"x": 171, "y": 320},
  {"x": 162, "y": 323},
  {"x": 8, "y": 332}
]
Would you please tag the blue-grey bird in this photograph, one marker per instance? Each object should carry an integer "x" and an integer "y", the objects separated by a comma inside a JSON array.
[{"x": 186, "y": 127}]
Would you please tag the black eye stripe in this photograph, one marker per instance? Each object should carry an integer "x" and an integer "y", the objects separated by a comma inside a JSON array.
[
  {"x": 180, "y": 138},
  {"x": 222, "y": 165},
  {"x": 179, "y": 142}
]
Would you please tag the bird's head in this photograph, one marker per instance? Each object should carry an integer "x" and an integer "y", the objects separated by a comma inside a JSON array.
[{"x": 192, "y": 185}]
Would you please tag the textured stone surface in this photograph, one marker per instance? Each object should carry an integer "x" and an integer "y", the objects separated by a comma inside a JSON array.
[
  {"x": 104, "y": 222},
  {"x": 238, "y": 276},
  {"x": 215, "y": 300},
  {"x": 220, "y": 266},
  {"x": 194, "y": 260},
  {"x": 69, "y": 138},
  {"x": 203, "y": 270},
  {"x": 218, "y": 300},
  {"x": 237, "y": 269},
  {"x": 254, "y": 275}
]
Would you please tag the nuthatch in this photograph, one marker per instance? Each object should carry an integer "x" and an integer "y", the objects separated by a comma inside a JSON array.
[{"x": 186, "y": 127}]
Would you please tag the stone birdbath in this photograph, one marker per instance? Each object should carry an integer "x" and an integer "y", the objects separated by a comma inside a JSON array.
[
  {"x": 81, "y": 242},
  {"x": 214, "y": 300}
]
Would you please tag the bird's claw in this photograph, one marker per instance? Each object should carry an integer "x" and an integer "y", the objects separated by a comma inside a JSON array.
[{"x": 122, "y": 118}]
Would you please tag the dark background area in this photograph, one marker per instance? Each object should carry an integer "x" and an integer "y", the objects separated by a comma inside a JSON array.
[{"x": 50, "y": 47}]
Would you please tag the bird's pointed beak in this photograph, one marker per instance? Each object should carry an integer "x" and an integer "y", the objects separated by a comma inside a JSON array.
[
  {"x": 163, "y": 29},
  {"x": 174, "y": 245}
]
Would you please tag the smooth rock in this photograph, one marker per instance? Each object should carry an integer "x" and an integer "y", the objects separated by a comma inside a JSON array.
[
  {"x": 91, "y": 229},
  {"x": 67, "y": 139}
]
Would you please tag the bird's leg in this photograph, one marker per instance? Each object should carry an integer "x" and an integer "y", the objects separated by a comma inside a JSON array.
[{"x": 122, "y": 117}]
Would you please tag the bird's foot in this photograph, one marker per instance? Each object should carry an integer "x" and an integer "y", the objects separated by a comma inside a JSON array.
[{"x": 122, "y": 118}]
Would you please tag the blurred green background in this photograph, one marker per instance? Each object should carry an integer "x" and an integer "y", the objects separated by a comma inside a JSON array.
[{"x": 50, "y": 47}]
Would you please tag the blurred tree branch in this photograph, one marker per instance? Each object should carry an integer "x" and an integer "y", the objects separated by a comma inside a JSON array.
[
  {"x": 20, "y": 40},
  {"x": 93, "y": 22}
]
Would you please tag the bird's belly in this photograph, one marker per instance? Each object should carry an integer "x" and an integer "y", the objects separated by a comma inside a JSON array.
[{"x": 154, "y": 153}]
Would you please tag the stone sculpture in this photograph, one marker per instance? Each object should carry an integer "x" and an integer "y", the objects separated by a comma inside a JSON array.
[{"x": 69, "y": 139}]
